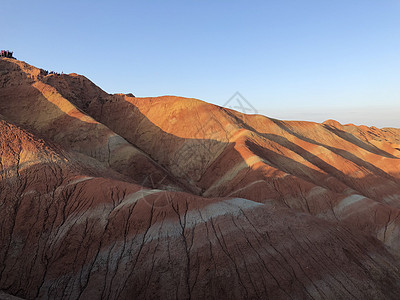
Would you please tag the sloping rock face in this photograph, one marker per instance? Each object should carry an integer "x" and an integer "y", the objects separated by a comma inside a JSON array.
[
  {"x": 116, "y": 197},
  {"x": 29, "y": 102}
]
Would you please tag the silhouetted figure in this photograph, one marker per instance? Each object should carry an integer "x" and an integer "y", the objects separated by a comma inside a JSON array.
[{"x": 6, "y": 53}]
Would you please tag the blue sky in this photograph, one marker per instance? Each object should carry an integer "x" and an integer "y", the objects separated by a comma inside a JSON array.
[{"x": 307, "y": 60}]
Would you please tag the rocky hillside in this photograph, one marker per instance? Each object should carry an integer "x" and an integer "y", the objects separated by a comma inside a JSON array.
[{"x": 115, "y": 197}]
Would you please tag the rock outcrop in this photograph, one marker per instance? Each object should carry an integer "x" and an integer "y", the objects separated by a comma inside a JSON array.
[{"x": 119, "y": 197}]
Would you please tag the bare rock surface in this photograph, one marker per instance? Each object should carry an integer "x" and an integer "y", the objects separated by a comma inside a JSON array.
[{"x": 119, "y": 197}]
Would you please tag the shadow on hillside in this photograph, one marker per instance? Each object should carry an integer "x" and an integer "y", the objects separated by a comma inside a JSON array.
[
  {"x": 200, "y": 153},
  {"x": 136, "y": 124},
  {"x": 343, "y": 153},
  {"x": 19, "y": 101},
  {"x": 356, "y": 141},
  {"x": 18, "y": 98}
]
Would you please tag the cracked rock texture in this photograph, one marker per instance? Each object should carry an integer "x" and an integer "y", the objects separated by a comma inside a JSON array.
[{"x": 115, "y": 197}]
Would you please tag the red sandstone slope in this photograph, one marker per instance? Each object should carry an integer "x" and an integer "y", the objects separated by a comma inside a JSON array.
[
  {"x": 335, "y": 172},
  {"x": 272, "y": 209},
  {"x": 26, "y": 100}
]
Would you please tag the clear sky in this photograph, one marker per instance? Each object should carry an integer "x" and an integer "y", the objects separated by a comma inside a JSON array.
[{"x": 291, "y": 59}]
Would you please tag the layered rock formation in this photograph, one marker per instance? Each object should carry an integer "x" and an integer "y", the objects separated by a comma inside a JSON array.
[{"x": 115, "y": 197}]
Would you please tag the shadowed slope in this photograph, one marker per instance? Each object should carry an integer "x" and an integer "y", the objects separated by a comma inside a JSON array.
[
  {"x": 315, "y": 168},
  {"x": 27, "y": 101}
]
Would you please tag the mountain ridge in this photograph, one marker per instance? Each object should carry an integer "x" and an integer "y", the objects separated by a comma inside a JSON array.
[{"x": 115, "y": 196}]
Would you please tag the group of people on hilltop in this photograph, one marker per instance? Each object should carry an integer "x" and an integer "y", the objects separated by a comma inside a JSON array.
[
  {"x": 50, "y": 72},
  {"x": 6, "y": 53}
]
